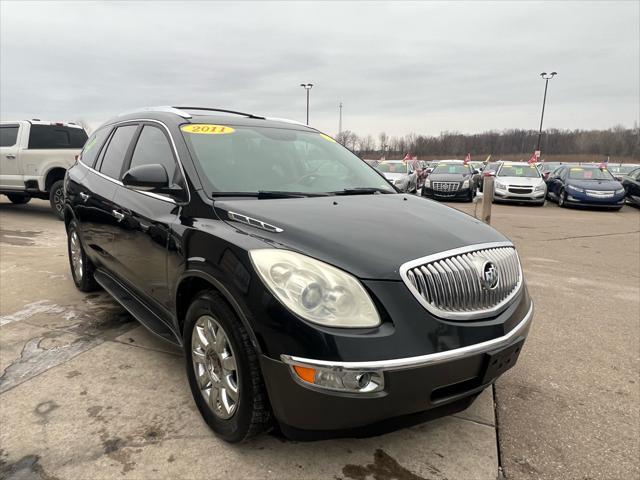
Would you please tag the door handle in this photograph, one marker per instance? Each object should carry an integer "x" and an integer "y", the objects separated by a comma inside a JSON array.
[
  {"x": 11, "y": 156},
  {"x": 84, "y": 196},
  {"x": 119, "y": 215}
]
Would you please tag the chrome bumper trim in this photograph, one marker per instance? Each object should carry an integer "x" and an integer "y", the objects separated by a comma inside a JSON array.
[{"x": 422, "y": 360}]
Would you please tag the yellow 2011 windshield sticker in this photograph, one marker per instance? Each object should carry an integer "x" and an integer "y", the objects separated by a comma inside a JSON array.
[
  {"x": 207, "y": 129},
  {"x": 327, "y": 137}
]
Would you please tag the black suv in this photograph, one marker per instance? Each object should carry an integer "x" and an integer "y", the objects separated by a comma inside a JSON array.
[
  {"x": 452, "y": 180},
  {"x": 304, "y": 289}
]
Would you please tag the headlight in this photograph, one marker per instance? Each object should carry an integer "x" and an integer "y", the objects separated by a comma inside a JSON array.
[
  {"x": 465, "y": 184},
  {"x": 314, "y": 290},
  {"x": 427, "y": 183},
  {"x": 540, "y": 187},
  {"x": 501, "y": 186},
  {"x": 575, "y": 189},
  {"x": 619, "y": 191}
]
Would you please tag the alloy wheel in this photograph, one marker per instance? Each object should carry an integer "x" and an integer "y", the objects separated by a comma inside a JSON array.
[
  {"x": 76, "y": 255},
  {"x": 214, "y": 364}
]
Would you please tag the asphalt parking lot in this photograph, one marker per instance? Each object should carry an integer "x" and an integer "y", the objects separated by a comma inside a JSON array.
[{"x": 85, "y": 392}]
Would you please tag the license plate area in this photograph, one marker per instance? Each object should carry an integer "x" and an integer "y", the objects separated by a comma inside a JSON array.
[{"x": 500, "y": 360}]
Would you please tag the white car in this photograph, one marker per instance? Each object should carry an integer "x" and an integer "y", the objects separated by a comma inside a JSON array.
[
  {"x": 401, "y": 174},
  {"x": 34, "y": 157},
  {"x": 519, "y": 182}
]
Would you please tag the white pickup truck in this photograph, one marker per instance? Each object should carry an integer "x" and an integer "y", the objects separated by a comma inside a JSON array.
[{"x": 34, "y": 157}]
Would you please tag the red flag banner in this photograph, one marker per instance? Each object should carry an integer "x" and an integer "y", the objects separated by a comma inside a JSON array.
[
  {"x": 467, "y": 159},
  {"x": 533, "y": 159}
]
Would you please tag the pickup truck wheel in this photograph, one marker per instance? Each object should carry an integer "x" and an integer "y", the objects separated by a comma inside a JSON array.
[
  {"x": 56, "y": 198},
  {"x": 18, "y": 199},
  {"x": 81, "y": 267},
  {"x": 223, "y": 370}
]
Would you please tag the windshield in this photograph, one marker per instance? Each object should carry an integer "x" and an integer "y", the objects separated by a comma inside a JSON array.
[
  {"x": 529, "y": 171},
  {"x": 392, "y": 167},
  {"x": 549, "y": 167},
  {"x": 589, "y": 173},
  {"x": 451, "y": 168},
  {"x": 253, "y": 159}
]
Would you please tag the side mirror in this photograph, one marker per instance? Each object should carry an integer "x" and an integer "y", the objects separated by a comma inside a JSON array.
[{"x": 146, "y": 178}]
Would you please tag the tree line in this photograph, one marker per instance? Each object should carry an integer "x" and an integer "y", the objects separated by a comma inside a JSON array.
[{"x": 617, "y": 141}]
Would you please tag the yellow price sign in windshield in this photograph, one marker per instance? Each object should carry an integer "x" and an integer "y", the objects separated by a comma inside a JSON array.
[{"x": 207, "y": 129}]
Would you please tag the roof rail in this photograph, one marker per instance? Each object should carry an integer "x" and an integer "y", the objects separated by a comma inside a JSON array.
[
  {"x": 161, "y": 108},
  {"x": 286, "y": 120},
  {"x": 249, "y": 115}
]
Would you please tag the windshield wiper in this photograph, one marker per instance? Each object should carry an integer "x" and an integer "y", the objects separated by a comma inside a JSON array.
[
  {"x": 265, "y": 194},
  {"x": 362, "y": 191}
]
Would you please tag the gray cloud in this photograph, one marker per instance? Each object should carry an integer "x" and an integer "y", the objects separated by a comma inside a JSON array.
[{"x": 398, "y": 67}]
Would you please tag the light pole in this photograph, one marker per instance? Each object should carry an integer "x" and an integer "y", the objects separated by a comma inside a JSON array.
[
  {"x": 307, "y": 87},
  {"x": 546, "y": 77},
  {"x": 340, "y": 122}
]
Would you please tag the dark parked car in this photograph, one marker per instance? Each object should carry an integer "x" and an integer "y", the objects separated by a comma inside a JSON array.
[
  {"x": 619, "y": 170},
  {"x": 585, "y": 185},
  {"x": 451, "y": 180},
  {"x": 490, "y": 169},
  {"x": 631, "y": 185},
  {"x": 290, "y": 273}
]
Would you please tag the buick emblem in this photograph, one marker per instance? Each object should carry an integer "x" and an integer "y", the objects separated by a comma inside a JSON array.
[{"x": 490, "y": 276}]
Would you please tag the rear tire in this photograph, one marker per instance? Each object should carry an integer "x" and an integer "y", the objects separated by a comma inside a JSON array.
[
  {"x": 81, "y": 267},
  {"x": 56, "y": 198},
  {"x": 18, "y": 199},
  {"x": 250, "y": 412}
]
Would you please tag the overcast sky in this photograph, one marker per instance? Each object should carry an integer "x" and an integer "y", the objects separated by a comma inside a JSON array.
[{"x": 409, "y": 67}]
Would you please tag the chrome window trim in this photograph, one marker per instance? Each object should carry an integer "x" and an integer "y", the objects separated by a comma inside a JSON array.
[
  {"x": 423, "y": 360},
  {"x": 475, "y": 314},
  {"x": 148, "y": 194}
]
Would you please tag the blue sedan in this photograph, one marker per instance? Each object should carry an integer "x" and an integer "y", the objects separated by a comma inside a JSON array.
[{"x": 585, "y": 185}]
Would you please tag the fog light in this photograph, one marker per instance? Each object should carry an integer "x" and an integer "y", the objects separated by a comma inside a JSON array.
[{"x": 353, "y": 381}]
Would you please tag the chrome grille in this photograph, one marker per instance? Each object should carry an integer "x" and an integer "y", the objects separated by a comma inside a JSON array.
[
  {"x": 445, "y": 186},
  {"x": 600, "y": 193},
  {"x": 449, "y": 284}
]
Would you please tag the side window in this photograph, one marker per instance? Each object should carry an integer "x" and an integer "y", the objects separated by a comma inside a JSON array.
[
  {"x": 92, "y": 147},
  {"x": 8, "y": 135},
  {"x": 563, "y": 173},
  {"x": 114, "y": 157},
  {"x": 153, "y": 147},
  {"x": 56, "y": 136}
]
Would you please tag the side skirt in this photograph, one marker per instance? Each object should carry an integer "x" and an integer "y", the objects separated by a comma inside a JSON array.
[{"x": 135, "y": 307}]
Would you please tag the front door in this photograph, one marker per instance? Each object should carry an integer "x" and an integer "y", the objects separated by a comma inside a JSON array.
[{"x": 144, "y": 231}]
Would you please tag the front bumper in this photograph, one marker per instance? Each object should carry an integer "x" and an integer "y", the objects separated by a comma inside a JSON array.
[
  {"x": 507, "y": 196},
  {"x": 411, "y": 385},
  {"x": 577, "y": 198}
]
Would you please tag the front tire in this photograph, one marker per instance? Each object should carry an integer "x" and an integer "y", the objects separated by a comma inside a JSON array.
[
  {"x": 18, "y": 199},
  {"x": 56, "y": 198},
  {"x": 223, "y": 370},
  {"x": 81, "y": 267},
  {"x": 562, "y": 199}
]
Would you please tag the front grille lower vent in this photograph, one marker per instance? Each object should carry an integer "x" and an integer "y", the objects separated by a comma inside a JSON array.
[{"x": 457, "y": 284}]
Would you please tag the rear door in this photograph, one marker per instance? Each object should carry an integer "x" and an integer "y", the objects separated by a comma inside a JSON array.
[
  {"x": 143, "y": 233},
  {"x": 94, "y": 206},
  {"x": 10, "y": 172}
]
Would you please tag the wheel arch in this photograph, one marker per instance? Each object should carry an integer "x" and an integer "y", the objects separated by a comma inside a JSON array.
[
  {"x": 53, "y": 175},
  {"x": 192, "y": 283}
]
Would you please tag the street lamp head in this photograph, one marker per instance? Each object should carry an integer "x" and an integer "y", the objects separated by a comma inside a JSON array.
[
  {"x": 547, "y": 76},
  {"x": 306, "y": 86}
]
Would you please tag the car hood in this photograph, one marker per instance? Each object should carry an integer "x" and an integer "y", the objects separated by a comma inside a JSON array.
[
  {"x": 370, "y": 236},
  {"x": 448, "y": 177},
  {"x": 595, "y": 184},
  {"x": 394, "y": 175},
  {"x": 520, "y": 181}
]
